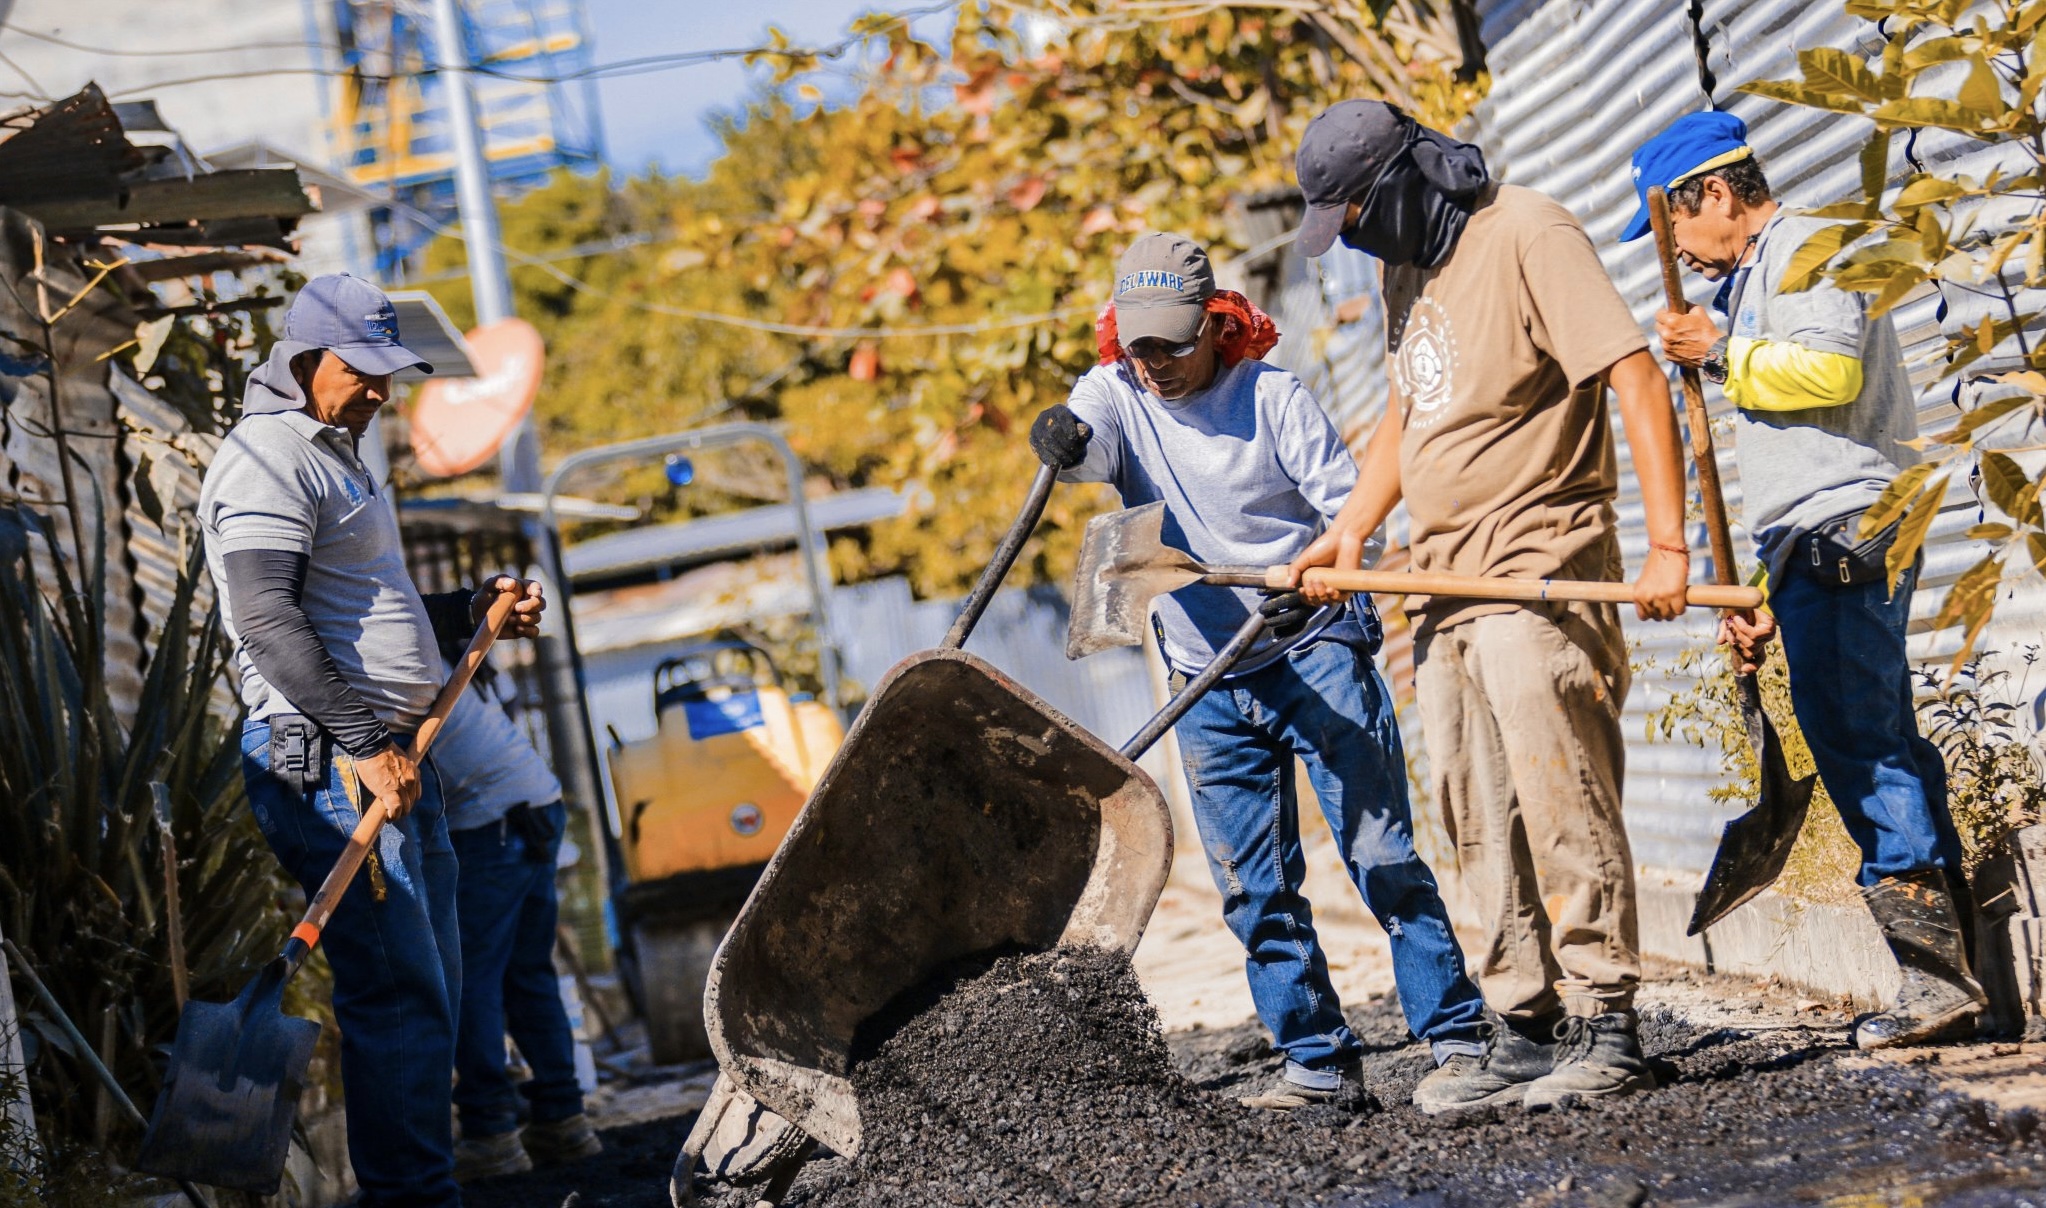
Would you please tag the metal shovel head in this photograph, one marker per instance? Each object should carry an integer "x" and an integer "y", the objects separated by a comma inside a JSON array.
[
  {"x": 231, "y": 1092},
  {"x": 962, "y": 816},
  {"x": 1754, "y": 846},
  {"x": 1124, "y": 564}
]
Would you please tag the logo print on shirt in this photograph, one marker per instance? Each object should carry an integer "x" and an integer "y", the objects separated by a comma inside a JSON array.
[
  {"x": 1425, "y": 366},
  {"x": 353, "y": 492}
]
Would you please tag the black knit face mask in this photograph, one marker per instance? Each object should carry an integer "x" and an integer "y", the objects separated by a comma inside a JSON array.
[{"x": 1419, "y": 204}]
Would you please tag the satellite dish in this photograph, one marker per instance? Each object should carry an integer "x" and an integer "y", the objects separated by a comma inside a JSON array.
[{"x": 458, "y": 423}]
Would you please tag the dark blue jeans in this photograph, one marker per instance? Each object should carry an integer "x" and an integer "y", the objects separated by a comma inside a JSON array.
[
  {"x": 1850, "y": 685},
  {"x": 508, "y": 914},
  {"x": 397, "y": 972},
  {"x": 1326, "y": 704}
]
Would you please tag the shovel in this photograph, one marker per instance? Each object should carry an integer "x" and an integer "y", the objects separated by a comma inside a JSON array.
[
  {"x": 1754, "y": 846},
  {"x": 236, "y": 1069},
  {"x": 1124, "y": 564}
]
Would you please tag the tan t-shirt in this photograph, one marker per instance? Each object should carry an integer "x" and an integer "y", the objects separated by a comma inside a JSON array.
[{"x": 1507, "y": 457}]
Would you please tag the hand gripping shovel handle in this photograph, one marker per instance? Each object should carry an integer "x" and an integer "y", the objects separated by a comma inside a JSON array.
[
  {"x": 1709, "y": 491},
  {"x": 306, "y": 936},
  {"x": 1492, "y": 587}
]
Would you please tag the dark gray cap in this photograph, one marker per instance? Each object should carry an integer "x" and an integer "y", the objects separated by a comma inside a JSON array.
[
  {"x": 1341, "y": 156},
  {"x": 354, "y": 320},
  {"x": 1162, "y": 286}
]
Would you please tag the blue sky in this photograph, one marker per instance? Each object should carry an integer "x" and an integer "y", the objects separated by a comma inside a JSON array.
[{"x": 661, "y": 118}]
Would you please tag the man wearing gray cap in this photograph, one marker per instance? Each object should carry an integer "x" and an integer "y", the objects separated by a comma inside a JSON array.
[
  {"x": 1503, "y": 335},
  {"x": 336, "y": 652},
  {"x": 1249, "y": 469}
]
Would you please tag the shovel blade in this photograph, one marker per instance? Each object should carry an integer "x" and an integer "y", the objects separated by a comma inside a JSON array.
[
  {"x": 1754, "y": 846},
  {"x": 231, "y": 1093},
  {"x": 1124, "y": 564}
]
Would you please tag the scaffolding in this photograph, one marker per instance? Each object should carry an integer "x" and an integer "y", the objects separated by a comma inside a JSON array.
[{"x": 389, "y": 115}]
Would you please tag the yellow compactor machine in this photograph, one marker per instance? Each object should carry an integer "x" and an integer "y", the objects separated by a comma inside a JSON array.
[{"x": 703, "y": 804}]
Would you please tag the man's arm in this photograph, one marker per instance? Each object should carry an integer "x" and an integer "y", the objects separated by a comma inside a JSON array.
[
  {"x": 1770, "y": 375},
  {"x": 1651, "y": 427},
  {"x": 266, "y": 589},
  {"x": 1378, "y": 491}
]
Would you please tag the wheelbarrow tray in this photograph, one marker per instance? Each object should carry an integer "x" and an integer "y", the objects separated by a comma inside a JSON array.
[{"x": 962, "y": 815}]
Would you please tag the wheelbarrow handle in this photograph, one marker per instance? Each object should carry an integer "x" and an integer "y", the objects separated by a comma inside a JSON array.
[
  {"x": 306, "y": 936},
  {"x": 1245, "y": 637},
  {"x": 1495, "y": 587},
  {"x": 997, "y": 568}
]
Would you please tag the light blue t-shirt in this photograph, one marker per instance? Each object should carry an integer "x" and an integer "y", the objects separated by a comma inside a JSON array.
[
  {"x": 1250, "y": 471},
  {"x": 487, "y": 765}
]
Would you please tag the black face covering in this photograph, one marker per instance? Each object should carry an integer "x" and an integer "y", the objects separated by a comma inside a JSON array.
[{"x": 1419, "y": 204}]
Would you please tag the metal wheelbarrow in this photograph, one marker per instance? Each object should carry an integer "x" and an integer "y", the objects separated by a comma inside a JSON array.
[{"x": 963, "y": 814}]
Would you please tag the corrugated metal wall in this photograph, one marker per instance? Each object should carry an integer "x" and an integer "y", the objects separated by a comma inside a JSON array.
[{"x": 1576, "y": 87}]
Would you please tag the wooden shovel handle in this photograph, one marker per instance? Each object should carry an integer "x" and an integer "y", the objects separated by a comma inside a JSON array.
[
  {"x": 1488, "y": 587},
  {"x": 374, "y": 815},
  {"x": 1709, "y": 492}
]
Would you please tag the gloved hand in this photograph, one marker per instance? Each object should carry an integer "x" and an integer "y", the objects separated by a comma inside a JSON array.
[
  {"x": 1059, "y": 438},
  {"x": 1285, "y": 611}
]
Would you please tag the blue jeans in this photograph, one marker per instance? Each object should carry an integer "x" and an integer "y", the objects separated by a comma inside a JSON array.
[
  {"x": 1326, "y": 704},
  {"x": 1850, "y": 686},
  {"x": 508, "y": 911},
  {"x": 397, "y": 972}
]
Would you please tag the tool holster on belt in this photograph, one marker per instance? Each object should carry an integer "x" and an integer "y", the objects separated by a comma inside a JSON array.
[{"x": 299, "y": 752}]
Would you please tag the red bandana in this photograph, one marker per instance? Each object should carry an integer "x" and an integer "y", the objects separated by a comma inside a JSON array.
[{"x": 1246, "y": 330}]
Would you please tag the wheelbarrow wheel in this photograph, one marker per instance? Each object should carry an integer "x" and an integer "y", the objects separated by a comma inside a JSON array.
[
  {"x": 672, "y": 962},
  {"x": 738, "y": 1143}
]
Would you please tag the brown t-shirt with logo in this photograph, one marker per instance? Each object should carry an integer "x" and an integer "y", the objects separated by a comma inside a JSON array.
[{"x": 1506, "y": 462}]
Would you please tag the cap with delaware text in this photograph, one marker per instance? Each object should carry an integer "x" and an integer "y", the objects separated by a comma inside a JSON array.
[{"x": 1162, "y": 286}]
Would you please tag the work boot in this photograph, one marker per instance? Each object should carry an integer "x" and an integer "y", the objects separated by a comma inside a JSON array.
[
  {"x": 1287, "y": 1092},
  {"x": 561, "y": 1141},
  {"x": 488, "y": 1157},
  {"x": 1938, "y": 999},
  {"x": 1597, "y": 1057},
  {"x": 1516, "y": 1053}
]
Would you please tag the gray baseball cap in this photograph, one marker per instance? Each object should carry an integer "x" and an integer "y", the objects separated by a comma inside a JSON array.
[
  {"x": 351, "y": 318},
  {"x": 1162, "y": 286},
  {"x": 1342, "y": 154}
]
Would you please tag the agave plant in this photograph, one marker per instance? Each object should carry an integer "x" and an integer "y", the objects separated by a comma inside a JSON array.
[{"x": 86, "y": 803}]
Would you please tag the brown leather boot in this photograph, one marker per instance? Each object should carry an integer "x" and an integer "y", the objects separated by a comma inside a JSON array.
[{"x": 1939, "y": 996}]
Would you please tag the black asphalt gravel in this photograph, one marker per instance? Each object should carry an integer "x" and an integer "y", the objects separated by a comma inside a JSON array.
[{"x": 1044, "y": 1080}]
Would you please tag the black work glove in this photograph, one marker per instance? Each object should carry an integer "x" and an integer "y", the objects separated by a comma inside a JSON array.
[
  {"x": 1286, "y": 611},
  {"x": 1059, "y": 438}
]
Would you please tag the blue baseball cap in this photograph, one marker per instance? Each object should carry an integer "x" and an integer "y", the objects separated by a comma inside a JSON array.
[
  {"x": 1693, "y": 144},
  {"x": 354, "y": 320}
]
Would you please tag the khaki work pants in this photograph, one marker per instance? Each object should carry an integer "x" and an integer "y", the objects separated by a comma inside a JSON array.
[{"x": 1521, "y": 711}]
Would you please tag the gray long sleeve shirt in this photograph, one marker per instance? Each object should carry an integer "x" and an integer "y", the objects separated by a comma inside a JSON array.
[{"x": 1250, "y": 470}]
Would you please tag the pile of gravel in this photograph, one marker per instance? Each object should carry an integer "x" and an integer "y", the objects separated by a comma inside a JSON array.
[{"x": 1045, "y": 1079}]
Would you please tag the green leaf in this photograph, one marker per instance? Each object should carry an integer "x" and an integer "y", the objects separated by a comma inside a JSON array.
[
  {"x": 1900, "y": 286},
  {"x": 1911, "y": 533},
  {"x": 1792, "y": 92},
  {"x": 1990, "y": 531},
  {"x": 1808, "y": 262},
  {"x": 1963, "y": 434},
  {"x": 1923, "y": 190},
  {"x": 1875, "y": 168},
  {"x": 1980, "y": 91},
  {"x": 2005, "y": 480},
  {"x": 1930, "y": 111},
  {"x": 1835, "y": 71},
  {"x": 1895, "y": 498}
]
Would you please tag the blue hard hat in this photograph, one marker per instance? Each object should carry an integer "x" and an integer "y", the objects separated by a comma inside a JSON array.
[{"x": 1694, "y": 143}]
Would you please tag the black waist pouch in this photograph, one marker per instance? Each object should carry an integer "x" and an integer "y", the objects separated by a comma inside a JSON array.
[
  {"x": 1834, "y": 554},
  {"x": 298, "y": 752},
  {"x": 538, "y": 826}
]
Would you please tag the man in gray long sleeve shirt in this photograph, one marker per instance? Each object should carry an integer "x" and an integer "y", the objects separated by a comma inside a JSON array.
[
  {"x": 1249, "y": 468},
  {"x": 336, "y": 652}
]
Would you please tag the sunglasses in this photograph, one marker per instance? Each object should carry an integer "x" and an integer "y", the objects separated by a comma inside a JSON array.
[{"x": 1155, "y": 350}]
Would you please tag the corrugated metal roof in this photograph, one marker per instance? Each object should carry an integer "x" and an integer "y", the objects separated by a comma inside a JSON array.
[
  {"x": 655, "y": 547},
  {"x": 1576, "y": 86}
]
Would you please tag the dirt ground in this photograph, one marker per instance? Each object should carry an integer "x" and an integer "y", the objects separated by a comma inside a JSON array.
[{"x": 1763, "y": 1104}]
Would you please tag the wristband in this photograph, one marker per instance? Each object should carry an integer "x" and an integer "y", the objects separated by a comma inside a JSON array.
[{"x": 1680, "y": 550}]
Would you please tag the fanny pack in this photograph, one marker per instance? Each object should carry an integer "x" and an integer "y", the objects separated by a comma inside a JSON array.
[
  {"x": 1834, "y": 554},
  {"x": 299, "y": 752},
  {"x": 538, "y": 826}
]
